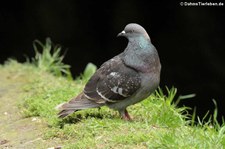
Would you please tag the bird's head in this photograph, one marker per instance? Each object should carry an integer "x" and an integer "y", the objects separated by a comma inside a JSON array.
[{"x": 134, "y": 30}]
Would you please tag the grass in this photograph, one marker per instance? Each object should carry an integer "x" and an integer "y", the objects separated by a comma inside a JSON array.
[
  {"x": 50, "y": 62},
  {"x": 157, "y": 121}
]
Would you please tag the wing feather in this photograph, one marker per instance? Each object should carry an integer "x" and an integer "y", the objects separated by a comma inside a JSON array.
[{"x": 112, "y": 82}]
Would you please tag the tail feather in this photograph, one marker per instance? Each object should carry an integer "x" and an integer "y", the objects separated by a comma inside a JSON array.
[
  {"x": 65, "y": 113},
  {"x": 76, "y": 104}
]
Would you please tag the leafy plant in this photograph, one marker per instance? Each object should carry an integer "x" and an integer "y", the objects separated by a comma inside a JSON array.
[
  {"x": 50, "y": 59},
  {"x": 88, "y": 71}
]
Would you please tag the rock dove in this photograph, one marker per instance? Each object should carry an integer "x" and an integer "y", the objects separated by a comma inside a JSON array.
[{"x": 122, "y": 81}]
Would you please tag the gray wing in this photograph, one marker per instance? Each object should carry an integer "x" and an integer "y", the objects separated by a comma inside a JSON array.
[{"x": 112, "y": 82}]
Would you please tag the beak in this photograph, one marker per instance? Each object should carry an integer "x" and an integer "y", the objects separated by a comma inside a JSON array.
[{"x": 121, "y": 33}]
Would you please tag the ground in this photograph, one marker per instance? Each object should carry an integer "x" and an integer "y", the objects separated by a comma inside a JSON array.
[
  {"x": 17, "y": 131},
  {"x": 28, "y": 118}
]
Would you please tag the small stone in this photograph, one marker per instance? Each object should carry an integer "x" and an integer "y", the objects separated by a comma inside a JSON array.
[
  {"x": 58, "y": 147},
  {"x": 34, "y": 119},
  {"x": 3, "y": 142}
]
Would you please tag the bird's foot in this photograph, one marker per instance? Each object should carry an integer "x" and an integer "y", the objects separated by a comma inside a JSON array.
[{"x": 125, "y": 115}]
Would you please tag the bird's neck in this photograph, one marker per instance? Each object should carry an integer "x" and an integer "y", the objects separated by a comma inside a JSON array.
[
  {"x": 141, "y": 55},
  {"x": 140, "y": 41}
]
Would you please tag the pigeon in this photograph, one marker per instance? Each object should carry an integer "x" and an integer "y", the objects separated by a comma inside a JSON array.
[{"x": 124, "y": 80}]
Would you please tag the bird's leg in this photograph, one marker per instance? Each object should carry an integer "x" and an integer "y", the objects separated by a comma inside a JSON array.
[{"x": 125, "y": 115}]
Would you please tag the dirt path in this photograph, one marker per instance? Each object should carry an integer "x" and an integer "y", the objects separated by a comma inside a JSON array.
[{"x": 16, "y": 131}]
